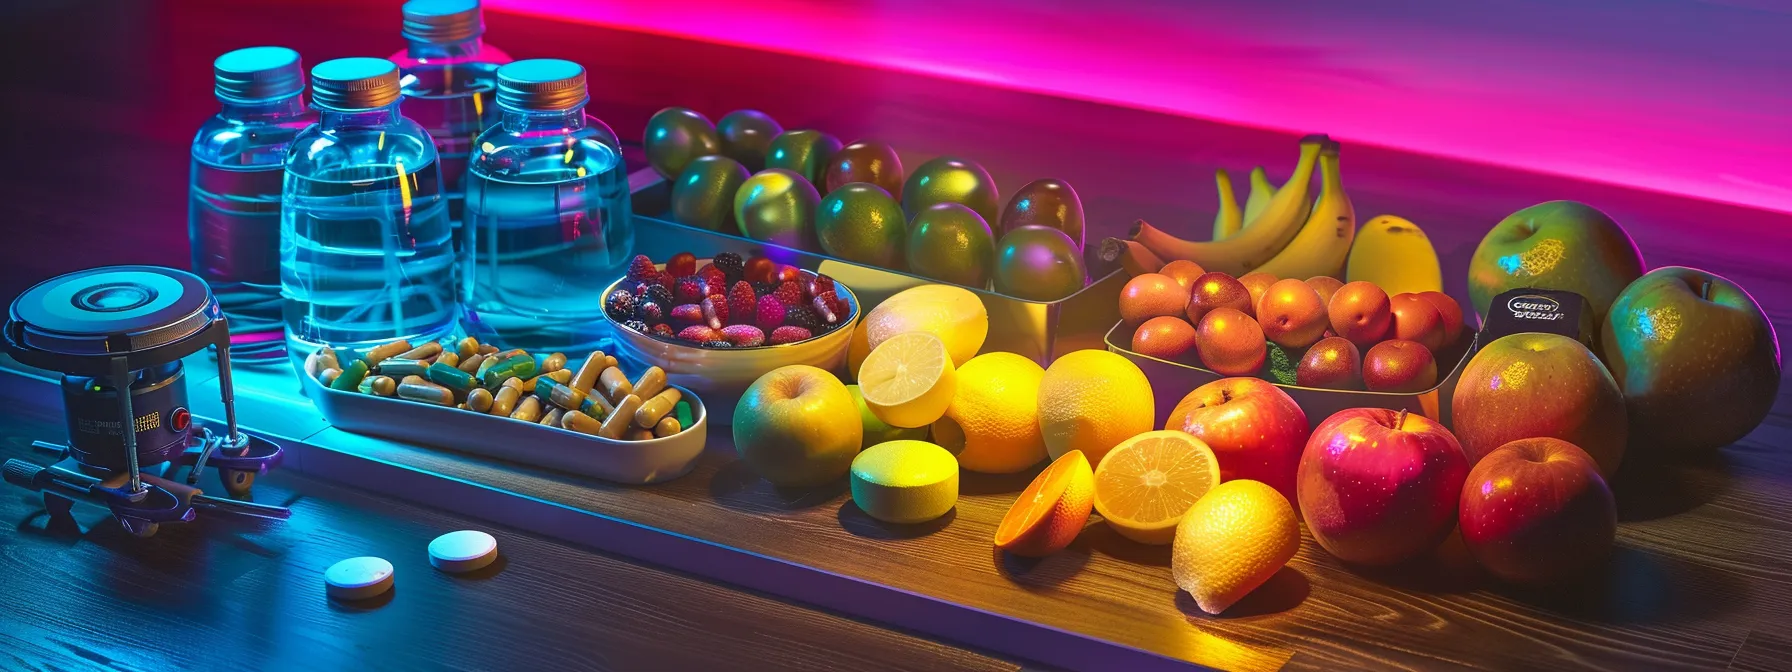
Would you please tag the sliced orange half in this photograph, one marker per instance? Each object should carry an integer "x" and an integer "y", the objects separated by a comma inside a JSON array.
[
  {"x": 1145, "y": 485},
  {"x": 1051, "y": 511}
]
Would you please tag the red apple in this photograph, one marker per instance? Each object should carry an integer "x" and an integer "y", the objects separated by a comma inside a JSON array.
[
  {"x": 1540, "y": 385},
  {"x": 1418, "y": 320},
  {"x": 1378, "y": 486},
  {"x": 1333, "y": 363},
  {"x": 1399, "y": 366},
  {"x": 1536, "y": 511},
  {"x": 1360, "y": 312},
  {"x": 1254, "y": 428}
]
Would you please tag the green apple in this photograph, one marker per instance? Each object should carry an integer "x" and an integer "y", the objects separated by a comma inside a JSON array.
[
  {"x": 1563, "y": 245},
  {"x": 1695, "y": 356},
  {"x": 876, "y": 431},
  {"x": 1531, "y": 385},
  {"x": 796, "y": 426}
]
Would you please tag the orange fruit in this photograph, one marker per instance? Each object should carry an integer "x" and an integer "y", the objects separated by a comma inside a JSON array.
[
  {"x": 1168, "y": 337},
  {"x": 1091, "y": 400},
  {"x": 1051, "y": 511},
  {"x": 1145, "y": 484},
  {"x": 1149, "y": 295},
  {"x": 1231, "y": 343},
  {"x": 1232, "y": 541},
  {"x": 1183, "y": 271}
]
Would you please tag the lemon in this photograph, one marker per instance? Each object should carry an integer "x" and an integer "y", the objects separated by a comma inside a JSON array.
[
  {"x": 905, "y": 481},
  {"x": 876, "y": 431},
  {"x": 858, "y": 350},
  {"x": 1145, "y": 485},
  {"x": 1091, "y": 400},
  {"x": 953, "y": 314},
  {"x": 909, "y": 380},
  {"x": 992, "y": 423},
  {"x": 1232, "y": 541}
]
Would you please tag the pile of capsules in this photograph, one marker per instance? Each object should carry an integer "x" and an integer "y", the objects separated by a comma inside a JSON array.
[{"x": 514, "y": 384}]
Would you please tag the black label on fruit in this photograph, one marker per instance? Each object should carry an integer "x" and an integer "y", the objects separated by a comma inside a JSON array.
[{"x": 1534, "y": 309}]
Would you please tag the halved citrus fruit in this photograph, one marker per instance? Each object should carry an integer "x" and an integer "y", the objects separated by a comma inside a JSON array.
[
  {"x": 1051, "y": 511},
  {"x": 1145, "y": 485},
  {"x": 908, "y": 380}
]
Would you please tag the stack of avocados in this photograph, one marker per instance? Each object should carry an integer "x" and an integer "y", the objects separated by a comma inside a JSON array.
[{"x": 805, "y": 190}]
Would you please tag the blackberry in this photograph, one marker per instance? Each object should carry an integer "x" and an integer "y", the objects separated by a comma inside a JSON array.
[
  {"x": 732, "y": 265},
  {"x": 651, "y": 312},
  {"x": 805, "y": 317},
  {"x": 764, "y": 288},
  {"x": 657, "y": 293},
  {"x": 717, "y": 344},
  {"x": 620, "y": 305},
  {"x": 637, "y": 325}
]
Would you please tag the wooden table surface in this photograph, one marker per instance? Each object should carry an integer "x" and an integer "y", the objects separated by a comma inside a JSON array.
[{"x": 1702, "y": 577}]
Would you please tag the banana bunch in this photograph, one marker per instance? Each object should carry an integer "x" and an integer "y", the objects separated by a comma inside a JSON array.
[{"x": 1282, "y": 231}]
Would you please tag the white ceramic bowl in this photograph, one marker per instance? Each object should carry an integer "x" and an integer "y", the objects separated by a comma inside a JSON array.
[{"x": 721, "y": 376}]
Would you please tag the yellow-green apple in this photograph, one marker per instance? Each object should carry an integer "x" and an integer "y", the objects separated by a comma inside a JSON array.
[
  {"x": 1696, "y": 358},
  {"x": 1533, "y": 385},
  {"x": 1255, "y": 429},
  {"x": 1563, "y": 245},
  {"x": 798, "y": 426},
  {"x": 1536, "y": 511},
  {"x": 1378, "y": 486}
]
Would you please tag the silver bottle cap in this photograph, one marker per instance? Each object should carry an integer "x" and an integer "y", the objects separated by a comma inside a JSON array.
[
  {"x": 258, "y": 74},
  {"x": 354, "y": 84},
  {"x": 443, "y": 21},
  {"x": 544, "y": 84}
]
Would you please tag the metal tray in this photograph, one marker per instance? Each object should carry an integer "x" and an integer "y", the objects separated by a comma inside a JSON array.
[
  {"x": 626, "y": 462},
  {"x": 1039, "y": 330},
  {"x": 1171, "y": 381}
]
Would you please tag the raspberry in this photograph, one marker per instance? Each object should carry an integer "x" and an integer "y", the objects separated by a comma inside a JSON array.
[
  {"x": 789, "y": 293},
  {"x": 657, "y": 293},
  {"x": 783, "y": 335},
  {"x": 760, "y": 269},
  {"x": 827, "y": 306},
  {"x": 698, "y": 333},
  {"x": 715, "y": 311},
  {"x": 620, "y": 305},
  {"x": 819, "y": 284},
  {"x": 689, "y": 290},
  {"x": 687, "y": 314},
  {"x": 651, "y": 312},
  {"x": 803, "y": 316},
  {"x": 732, "y": 265},
  {"x": 715, "y": 277},
  {"x": 742, "y": 303},
  {"x": 770, "y": 313},
  {"x": 744, "y": 335},
  {"x": 682, "y": 264},
  {"x": 636, "y": 325},
  {"x": 788, "y": 274},
  {"x": 641, "y": 267},
  {"x": 666, "y": 280},
  {"x": 664, "y": 330}
]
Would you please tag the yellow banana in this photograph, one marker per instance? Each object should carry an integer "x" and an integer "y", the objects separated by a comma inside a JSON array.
[
  {"x": 1395, "y": 255},
  {"x": 1324, "y": 241},
  {"x": 1259, "y": 240},
  {"x": 1261, "y": 192},
  {"x": 1230, "y": 219}
]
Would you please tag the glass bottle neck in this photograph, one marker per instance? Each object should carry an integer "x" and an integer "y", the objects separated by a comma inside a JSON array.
[
  {"x": 379, "y": 116},
  {"x": 281, "y": 108},
  {"x": 521, "y": 121},
  {"x": 462, "y": 50}
]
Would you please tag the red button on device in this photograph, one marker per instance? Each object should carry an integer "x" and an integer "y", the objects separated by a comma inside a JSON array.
[{"x": 179, "y": 419}]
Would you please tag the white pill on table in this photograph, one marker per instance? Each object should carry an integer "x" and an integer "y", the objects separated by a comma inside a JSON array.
[
  {"x": 463, "y": 551},
  {"x": 358, "y": 578}
]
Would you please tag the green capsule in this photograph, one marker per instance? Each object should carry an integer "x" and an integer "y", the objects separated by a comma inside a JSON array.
[
  {"x": 399, "y": 368},
  {"x": 511, "y": 367},
  {"x": 450, "y": 377},
  {"x": 350, "y": 378},
  {"x": 683, "y": 411},
  {"x": 550, "y": 391}
]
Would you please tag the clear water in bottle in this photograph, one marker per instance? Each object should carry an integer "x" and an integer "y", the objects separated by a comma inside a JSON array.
[
  {"x": 233, "y": 214},
  {"x": 366, "y": 247},
  {"x": 548, "y": 219},
  {"x": 449, "y": 76}
]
